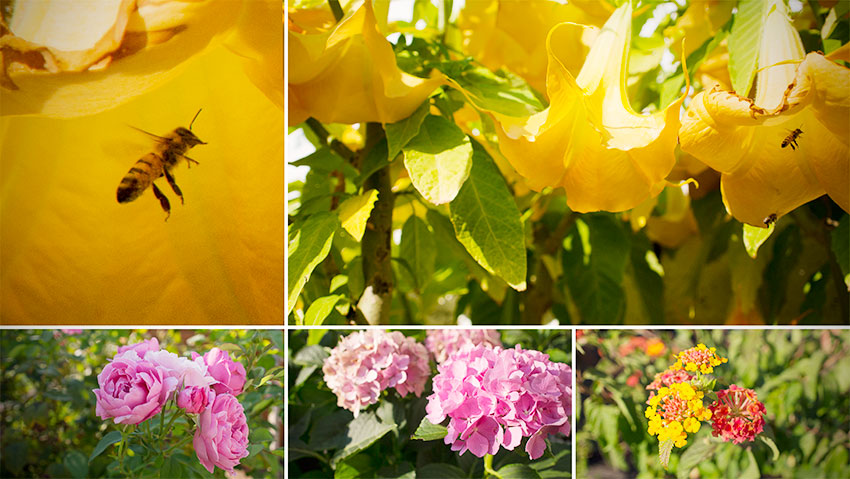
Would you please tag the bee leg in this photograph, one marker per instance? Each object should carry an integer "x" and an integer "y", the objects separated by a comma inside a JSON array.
[
  {"x": 189, "y": 161},
  {"x": 170, "y": 178},
  {"x": 163, "y": 201}
]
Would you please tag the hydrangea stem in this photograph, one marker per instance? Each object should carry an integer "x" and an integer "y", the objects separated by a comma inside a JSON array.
[{"x": 488, "y": 467}]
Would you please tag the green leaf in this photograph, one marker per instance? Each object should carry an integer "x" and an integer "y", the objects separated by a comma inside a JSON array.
[
  {"x": 664, "y": 450},
  {"x": 311, "y": 356},
  {"x": 771, "y": 445},
  {"x": 308, "y": 247},
  {"x": 321, "y": 308},
  {"x": 499, "y": 92},
  {"x": 752, "y": 470},
  {"x": 76, "y": 464},
  {"x": 400, "y": 133},
  {"x": 438, "y": 159},
  {"x": 594, "y": 259},
  {"x": 419, "y": 249},
  {"x": 428, "y": 431},
  {"x": 354, "y": 213},
  {"x": 518, "y": 471},
  {"x": 106, "y": 441},
  {"x": 363, "y": 431},
  {"x": 840, "y": 239},
  {"x": 744, "y": 43},
  {"x": 172, "y": 467},
  {"x": 693, "y": 456},
  {"x": 375, "y": 160},
  {"x": 754, "y": 237},
  {"x": 487, "y": 222},
  {"x": 440, "y": 471}
]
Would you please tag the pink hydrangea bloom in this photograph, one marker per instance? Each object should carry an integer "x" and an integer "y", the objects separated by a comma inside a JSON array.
[
  {"x": 737, "y": 415},
  {"x": 442, "y": 343},
  {"x": 221, "y": 438},
  {"x": 365, "y": 363},
  {"x": 132, "y": 389},
  {"x": 72, "y": 331},
  {"x": 141, "y": 348},
  {"x": 494, "y": 397}
]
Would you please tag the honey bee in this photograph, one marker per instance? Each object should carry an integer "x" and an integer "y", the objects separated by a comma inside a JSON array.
[
  {"x": 770, "y": 219},
  {"x": 165, "y": 156},
  {"x": 791, "y": 139}
]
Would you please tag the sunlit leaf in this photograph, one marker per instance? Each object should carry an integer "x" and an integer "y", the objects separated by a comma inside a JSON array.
[
  {"x": 487, "y": 222},
  {"x": 308, "y": 247},
  {"x": 354, "y": 213},
  {"x": 754, "y": 237},
  {"x": 744, "y": 43},
  {"x": 428, "y": 431},
  {"x": 398, "y": 134},
  {"x": 438, "y": 159}
]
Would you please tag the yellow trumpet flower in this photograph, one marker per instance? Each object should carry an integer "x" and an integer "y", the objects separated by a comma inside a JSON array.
[
  {"x": 789, "y": 144},
  {"x": 512, "y": 34},
  {"x": 589, "y": 141},
  {"x": 349, "y": 74}
]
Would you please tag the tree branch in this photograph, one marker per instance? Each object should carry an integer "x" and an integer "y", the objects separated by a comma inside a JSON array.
[{"x": 376, "y": 246}]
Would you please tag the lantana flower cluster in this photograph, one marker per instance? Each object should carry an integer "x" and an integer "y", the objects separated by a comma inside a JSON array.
[
  {"x": 141, "y": 379},
  {"x": 365, "y": 363},
  {"x": 678, "y": 408},
  {"x": 737, "y": 415},
  {"x": 442, "y": 343},
  {"x": 494, "y": 397}
]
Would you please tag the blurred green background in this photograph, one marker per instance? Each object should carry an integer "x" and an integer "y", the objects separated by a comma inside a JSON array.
[
  {"x": 801, "y": 376},
  {"x": 47, "y": 408}
]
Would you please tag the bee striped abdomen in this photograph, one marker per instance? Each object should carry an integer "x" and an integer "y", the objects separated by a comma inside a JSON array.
[{"x": 139, "y": 178}]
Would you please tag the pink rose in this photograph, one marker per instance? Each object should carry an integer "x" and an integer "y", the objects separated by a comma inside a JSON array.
[
  {"x": 141, "y": 348},
  {"x": 132, "y": 390},
  {"x": 221, "y": 438},
  {"x": 229, "y": 374},
  {"x": 193, "y": 399}
]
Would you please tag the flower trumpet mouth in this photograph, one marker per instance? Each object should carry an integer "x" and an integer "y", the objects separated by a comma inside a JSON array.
[
  {"x": 764, "y": 146},
  {"x": 589, "y": 141}
]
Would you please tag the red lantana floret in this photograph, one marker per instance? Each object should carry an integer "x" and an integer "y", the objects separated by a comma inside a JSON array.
[{"x": 737, "y": 415}]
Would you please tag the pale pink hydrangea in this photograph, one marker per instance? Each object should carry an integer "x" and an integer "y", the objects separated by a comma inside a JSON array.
[
  {"x": 442, "y": 343},
  {"x": 367, "y": 362},
  {"x": 494, "y": 397}
]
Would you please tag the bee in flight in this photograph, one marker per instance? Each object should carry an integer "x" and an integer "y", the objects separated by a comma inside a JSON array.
[
  {"x": 169, "y": 150},
  {"x": 791, "y": 139},
  {"x": 770, "y": 219}
]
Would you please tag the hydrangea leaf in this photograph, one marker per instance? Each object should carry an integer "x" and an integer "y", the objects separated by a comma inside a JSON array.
[
  {"x": 438, "y": 159},
  {"x": 428, "y": 431},
  {"x": 308, "y": 246},
  {"x": 399, "y": 133},
  {"x": 518, "y": 471},
  {"x": 487, "y": 222},
  {"x": 594, "y": 258},
  {"x": 363, "y": 431},
  {"x": 744, "y": 43},
  {"x": 440, "y": 471},
  {"x": 693, "y": 456},
  {"x": 419, "y": 249},
  {"x": 354, "y": 213}
]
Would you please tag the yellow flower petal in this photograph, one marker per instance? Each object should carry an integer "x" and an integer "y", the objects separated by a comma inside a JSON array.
[
  {"x": 589, "y": 140},
  {"x": 510, "y": 34},
  {"x": 73, "y": 255},
  {"x": 124, "y": 50},
  {"x": 349, "y": 75}
]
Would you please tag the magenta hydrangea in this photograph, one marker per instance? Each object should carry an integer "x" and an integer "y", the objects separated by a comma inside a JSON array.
[
  {"x": 442, "y": 343},
  {"x": 494, "y": 397},
  {"x": 365, "y": 363}
]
